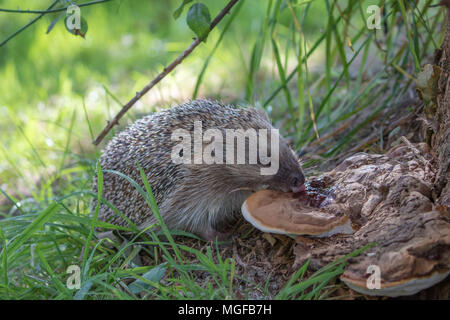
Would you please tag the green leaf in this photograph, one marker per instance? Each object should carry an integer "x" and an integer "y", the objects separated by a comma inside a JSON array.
[
  {"x": 75, "y": 31},
  {"x": 53, "y": 23},
  {"x": 178, "y": 11},
  {"x": 199, "y": 20},
  {"x": 154, "y": 275}
]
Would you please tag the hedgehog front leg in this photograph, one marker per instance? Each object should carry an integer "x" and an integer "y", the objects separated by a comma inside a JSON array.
[
  {"x": 198, "y": 217},
  {"x": 212, "y": 234}
]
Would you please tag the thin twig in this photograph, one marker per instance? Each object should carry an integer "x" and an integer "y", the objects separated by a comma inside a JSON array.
[
  {"x": 27, "y": 25},
  {"x": 41, "y": 14},
  {"x": 50, "y": 10},
  {"x": 160, "y": 76}
]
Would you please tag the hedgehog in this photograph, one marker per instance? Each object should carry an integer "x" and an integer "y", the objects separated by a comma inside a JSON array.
[{"x": 192, "y": 196}]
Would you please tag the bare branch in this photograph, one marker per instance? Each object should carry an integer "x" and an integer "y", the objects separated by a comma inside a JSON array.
[
  {"x": 27, "y": 25},
  {"x": 52, "y": 10},
  {"x": 161, "y": 76},
  {"x": 41, "y": 14}
]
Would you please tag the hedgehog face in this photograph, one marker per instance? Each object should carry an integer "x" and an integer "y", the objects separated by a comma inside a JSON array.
[{"x": 289, "y": 176}]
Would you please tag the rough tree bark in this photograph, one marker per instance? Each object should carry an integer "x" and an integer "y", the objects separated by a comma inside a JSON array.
[{"x": 440, "y": 132}]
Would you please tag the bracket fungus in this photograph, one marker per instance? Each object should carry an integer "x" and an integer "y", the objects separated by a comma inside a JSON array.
[
  {"x": 369, "y": 198},
  {"x": 295, "y": 214}
]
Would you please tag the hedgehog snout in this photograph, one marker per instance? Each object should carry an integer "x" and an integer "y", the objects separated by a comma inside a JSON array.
[{"x": 297, "y": 182}]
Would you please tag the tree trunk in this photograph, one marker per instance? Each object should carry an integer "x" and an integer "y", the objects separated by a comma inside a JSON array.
[{"x": 440, "y": 135}]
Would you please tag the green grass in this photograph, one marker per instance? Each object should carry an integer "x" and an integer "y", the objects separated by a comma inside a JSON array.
[
  {"x": 311, "y": 74},
  {"x": 38, "y": 248}
]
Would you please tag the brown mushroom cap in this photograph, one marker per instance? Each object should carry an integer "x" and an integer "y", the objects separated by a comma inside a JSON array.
[
  {"x": 283, "y": 213},
  {"x": 397, "y": 288}
]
